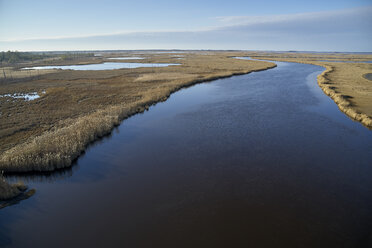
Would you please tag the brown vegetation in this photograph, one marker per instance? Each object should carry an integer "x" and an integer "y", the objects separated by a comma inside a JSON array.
[
  {"x": 13, "y": 193},
  {"x": 8, "y": 191},
  {"x": 81, "y": 106}
]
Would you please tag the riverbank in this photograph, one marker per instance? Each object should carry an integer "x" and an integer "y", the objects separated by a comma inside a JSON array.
[
  {"x": 353, "y": 97},
  {"x": 344, "y": 82},
  {"x": 10, "y": 190},
  {"x": 80, "y": 107},
  {"x": 13, "y": 193},
  {"x": 238, "y": 150}
]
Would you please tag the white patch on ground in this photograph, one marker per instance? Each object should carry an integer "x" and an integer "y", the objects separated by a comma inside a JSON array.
[
  {"x": 101, "y": 66},
  {"x": 127, "y": 58},
  {"x": 25, "y": 96}
]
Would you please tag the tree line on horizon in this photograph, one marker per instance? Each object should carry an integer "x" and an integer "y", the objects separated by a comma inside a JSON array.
[{"x": 12, "y": 57}]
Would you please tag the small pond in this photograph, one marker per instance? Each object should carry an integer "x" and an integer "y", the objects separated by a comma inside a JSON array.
[{"x": 101, "y": 66}]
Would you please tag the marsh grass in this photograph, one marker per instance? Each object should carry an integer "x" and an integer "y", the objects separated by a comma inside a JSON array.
[
  {"x": 8, "y": 191},
  {"x": 357, "y": 106},
  {"x": 58, "y": 148},
  {"x": 80, "y": 107}
]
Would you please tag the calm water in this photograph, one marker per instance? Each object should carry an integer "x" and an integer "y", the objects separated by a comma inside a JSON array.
[
  {"x": 259, "y": 160},
  {"x": 102, "y": 66}
]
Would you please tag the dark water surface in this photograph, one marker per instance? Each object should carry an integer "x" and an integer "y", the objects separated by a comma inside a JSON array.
[{"x": 259, "y": 160}]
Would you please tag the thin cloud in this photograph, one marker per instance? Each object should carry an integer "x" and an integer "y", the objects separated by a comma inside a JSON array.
[
  {"x": 253, "y": 20},
  {"x": 345, "y": 30}
]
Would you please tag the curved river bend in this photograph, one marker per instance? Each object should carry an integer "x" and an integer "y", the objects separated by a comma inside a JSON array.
[{"x": 259, "y": 160}]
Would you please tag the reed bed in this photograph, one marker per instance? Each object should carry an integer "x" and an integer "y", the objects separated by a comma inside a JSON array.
[
  {"x": 93, "y": 103},
  {"x": 8, "y": 191}
]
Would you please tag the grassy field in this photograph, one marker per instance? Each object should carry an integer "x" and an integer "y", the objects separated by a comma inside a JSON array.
[
  {"x": 79, "y": 107},
  {"x": 345, "y": 82}
]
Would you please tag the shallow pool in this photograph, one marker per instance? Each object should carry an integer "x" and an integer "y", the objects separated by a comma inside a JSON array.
[{"x": 101, "y": 66}]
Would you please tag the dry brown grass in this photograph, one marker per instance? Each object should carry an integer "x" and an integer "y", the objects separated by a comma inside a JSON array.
[
  {"x": 313, "y": 56},
  {"x": 81, "y": 106}
]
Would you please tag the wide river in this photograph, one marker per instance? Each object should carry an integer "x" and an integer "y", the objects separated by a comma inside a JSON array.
[{"x": 258, "y": 160}]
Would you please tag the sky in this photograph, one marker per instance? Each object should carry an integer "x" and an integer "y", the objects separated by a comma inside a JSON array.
[{"x": 317, "y": 25}]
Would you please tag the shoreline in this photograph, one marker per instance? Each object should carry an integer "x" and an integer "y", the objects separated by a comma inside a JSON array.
[
  {"x": 368, "y": 76},
  {"x": 13, "y": 193},
  {"x": 340, "y": 98},
  {"x": 26, "y": 158},
  {"x": 8, "y": 191},
  {"x": 62, "y": 144}
]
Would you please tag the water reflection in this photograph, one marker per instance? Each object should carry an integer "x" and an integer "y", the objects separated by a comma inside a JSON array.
[{"x": 47, "y": 177}]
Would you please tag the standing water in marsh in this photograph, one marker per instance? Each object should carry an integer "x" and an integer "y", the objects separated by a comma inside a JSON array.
[
  {"x": 101, "y": 66},
  {"x": 259, "y": 160}
]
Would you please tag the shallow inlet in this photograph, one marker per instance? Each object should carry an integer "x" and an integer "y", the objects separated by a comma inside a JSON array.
[
  {"x": 368, "y": 76},
  {"x": 258, "y": 160},
  {"x": 102, "y": 66}
]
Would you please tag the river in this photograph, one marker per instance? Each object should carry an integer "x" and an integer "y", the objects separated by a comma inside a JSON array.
[{"x": 258, "y": 160}]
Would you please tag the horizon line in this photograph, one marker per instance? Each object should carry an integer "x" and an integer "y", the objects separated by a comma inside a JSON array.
[{"x": 178, "y": 49}]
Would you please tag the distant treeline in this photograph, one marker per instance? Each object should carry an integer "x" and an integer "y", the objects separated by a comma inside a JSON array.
[
  {"x": 15, "y": 57},
  {"x": 12, "y": 57}
]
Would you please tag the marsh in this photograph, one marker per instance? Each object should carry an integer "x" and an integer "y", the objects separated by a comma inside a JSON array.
[{"x": 264, "y": 159}]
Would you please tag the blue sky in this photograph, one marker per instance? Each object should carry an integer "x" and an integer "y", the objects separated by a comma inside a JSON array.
[{"x": 343, "y": 25}]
